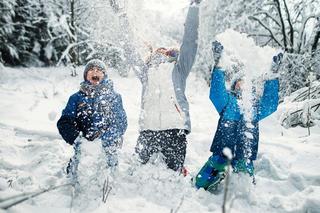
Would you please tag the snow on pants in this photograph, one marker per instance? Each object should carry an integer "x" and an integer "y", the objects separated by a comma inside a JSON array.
[
  {"x": 171, "y": 143},
  {"x": 110, "y": 149}
]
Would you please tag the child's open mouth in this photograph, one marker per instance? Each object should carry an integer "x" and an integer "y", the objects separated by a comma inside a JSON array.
[{"x": 95, "y": 78}]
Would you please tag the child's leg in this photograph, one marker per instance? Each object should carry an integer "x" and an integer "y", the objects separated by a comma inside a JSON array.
[
  {"x": 72, "y": 168},
  {"x": 147, "y": 145},
  {"x": 174, "y": 146},
  {"x": 111, "y": 150},
  {"x": 244, "y": 166},
  {"x": 212, "y": 172}
]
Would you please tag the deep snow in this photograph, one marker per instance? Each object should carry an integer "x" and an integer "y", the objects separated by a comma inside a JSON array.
[{"x": 33, "y": 156}]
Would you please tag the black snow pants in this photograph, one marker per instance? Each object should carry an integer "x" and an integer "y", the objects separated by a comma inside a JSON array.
[{"x": 171, "y": 143}]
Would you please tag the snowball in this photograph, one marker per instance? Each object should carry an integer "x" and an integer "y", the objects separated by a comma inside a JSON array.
[{"x": 52, "y": 115}]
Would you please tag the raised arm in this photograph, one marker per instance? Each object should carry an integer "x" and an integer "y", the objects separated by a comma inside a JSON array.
[
  {"x": 269, "y": 100},
  {"x": 189, "y": 45},
  {"x": 218, "y": 92}
]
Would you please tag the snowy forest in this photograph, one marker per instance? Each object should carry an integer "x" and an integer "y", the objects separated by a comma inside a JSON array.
[
  {"x": 53, "y": 33},
  {"x": 49, "y": 50}
]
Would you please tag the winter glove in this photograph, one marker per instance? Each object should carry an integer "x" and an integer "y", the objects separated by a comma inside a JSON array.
[
  {"x": 68, "y": 128},
  {"x": 195, "y": 2},
  {"x": 217, "y": 49},
  {"x": 276, "y": 62}
]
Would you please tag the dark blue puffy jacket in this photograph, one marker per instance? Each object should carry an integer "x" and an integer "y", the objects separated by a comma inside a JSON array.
[
  {"x": 94, "y": 114},
  {"x": 233, "y": 131}
]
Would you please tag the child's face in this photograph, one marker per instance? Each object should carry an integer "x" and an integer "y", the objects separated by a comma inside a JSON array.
[
  {"x": 238, "y": 86},
  {"x": 95, "y": 76}
]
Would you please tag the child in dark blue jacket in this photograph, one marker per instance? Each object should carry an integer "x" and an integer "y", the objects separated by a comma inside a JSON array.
[
  {"x": 233, "y": 131},
  {"x": 96, "y": 112}
]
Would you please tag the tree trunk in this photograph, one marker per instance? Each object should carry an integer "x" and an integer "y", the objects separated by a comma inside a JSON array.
[
  {"x": 316, "y": 39},
  {"x": 283, "y": 27},
  {"x": 290, "y": 26},
  {"x": 73, "y": 38}
]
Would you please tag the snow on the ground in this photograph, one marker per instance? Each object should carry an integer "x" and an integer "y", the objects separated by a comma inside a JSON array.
[{"x": 33, "y": 156}]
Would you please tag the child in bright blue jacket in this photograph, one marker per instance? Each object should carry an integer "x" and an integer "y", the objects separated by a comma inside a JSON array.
[
  {"x": 233, "y": 130},
  {"x": 96, "y": 112}
]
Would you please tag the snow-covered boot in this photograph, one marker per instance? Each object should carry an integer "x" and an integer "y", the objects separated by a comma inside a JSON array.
[
  {"x": 212, "y": 173},
  {"x": 244, "y": 166}
]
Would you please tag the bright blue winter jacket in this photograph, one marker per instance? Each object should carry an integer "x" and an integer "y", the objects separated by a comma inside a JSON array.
[
  {"x": 102, "y": 114},
  {"x": 233, "y": 131}
]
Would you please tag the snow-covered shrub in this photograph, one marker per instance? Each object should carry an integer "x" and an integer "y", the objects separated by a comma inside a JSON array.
[
  {"x": 7, "y": 49},
  {"x": 302, "y": 107},
  {"x": 295, "y": 70}
]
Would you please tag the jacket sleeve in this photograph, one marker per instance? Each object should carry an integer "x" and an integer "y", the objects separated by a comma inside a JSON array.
[
  {"x": 118, "y": 124},
  {"x": 67, "y": 124},
  {"x": 269, "y": 100},
  {"x": 189, "y": 45},
  {"x": 218, "y": 92}
]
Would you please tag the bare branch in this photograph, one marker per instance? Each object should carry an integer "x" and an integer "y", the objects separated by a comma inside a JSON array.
[
  {"x": 17, "y": 199},
  {"x": 299, "y": 8},
  {"x": 283, "y": 28},
  {"x": 67, "y": 50},
  {"x": 106, "y": 190},
  {"x": 179, "y": 206},
  {"x": 317, "y": 38},
  {"x": 267, "y": 15},
  {"x": 268, "y": 29},
  {"x": 302, "y": 30},
  {"x": 258, "y": 35},
  {"x": 265, "y": 44},
  {"x": 290, "y": 25}
]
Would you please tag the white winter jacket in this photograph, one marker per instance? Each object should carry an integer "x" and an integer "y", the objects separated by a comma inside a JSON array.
[{"x": 164, "y": 104}]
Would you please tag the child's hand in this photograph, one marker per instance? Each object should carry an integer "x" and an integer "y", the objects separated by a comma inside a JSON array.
[
  {"x": 276, "y": 62},
  {"x": 217, "y": 49}
]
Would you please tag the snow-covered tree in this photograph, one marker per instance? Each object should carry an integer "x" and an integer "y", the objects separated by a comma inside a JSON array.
[
  {"x": 287, "y": 26},
  {"x": 8, "y": 51},
  {"x": 23, "y": 32},
  {"x": 74, "y": 39}
]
